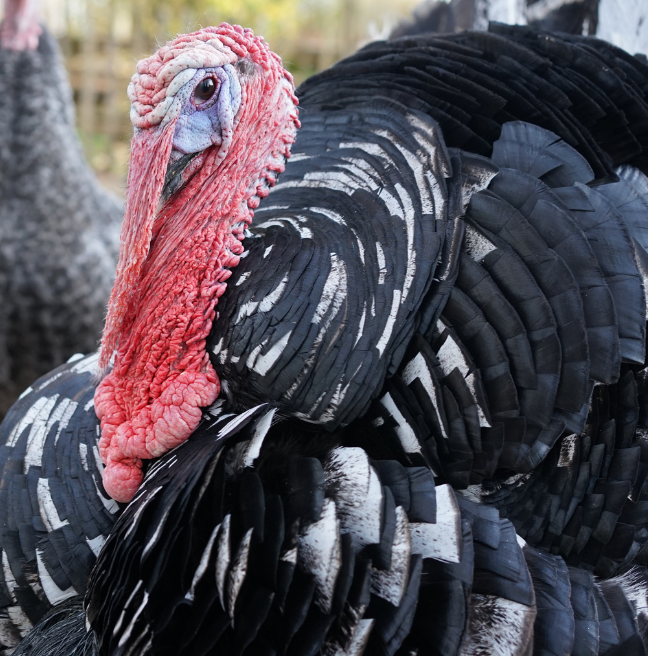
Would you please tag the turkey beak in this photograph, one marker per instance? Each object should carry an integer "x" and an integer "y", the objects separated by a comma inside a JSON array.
[{"x": 174, "y": 178}]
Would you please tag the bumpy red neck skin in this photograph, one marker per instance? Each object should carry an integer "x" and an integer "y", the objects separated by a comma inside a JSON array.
[{"x": 174, "y": 264}]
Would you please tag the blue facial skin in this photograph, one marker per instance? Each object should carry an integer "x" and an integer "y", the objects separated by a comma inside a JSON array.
[{"x": 200, "y": 126}]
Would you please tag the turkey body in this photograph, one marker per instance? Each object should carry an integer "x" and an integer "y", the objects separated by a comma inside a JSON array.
[
  {"x": 431, "y": 433},
  {"x": 59, "y": 230}
]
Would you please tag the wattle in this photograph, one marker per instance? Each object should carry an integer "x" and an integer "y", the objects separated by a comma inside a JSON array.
[
  {"x": 150, "y": 402},
  {"x": 152, "y": 431}
]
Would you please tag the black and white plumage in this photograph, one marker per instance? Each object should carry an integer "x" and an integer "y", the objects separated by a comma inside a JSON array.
[
  {"x": 571, "y": 16},
  {"x": 59, "y": 230},
  {"x": 286, "y": 554},
  {"x": 480, "y": 487},
  {"x": 54, "y": 513},
  {"x": 347, "y": 310}
]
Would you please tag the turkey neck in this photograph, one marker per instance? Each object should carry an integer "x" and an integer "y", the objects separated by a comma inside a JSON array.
[{"x": 173, "y": 268}]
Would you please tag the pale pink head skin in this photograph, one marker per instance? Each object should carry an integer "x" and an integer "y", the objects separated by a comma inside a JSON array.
[
  {"x": 175, "y": 256},
  {"x": 20, "y": 29}
]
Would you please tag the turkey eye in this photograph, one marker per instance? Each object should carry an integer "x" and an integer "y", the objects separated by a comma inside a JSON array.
[{"x": 204, "y": 91}]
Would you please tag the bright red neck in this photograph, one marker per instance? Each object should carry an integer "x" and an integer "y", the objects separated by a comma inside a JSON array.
[{"x": 173, "y": 268}]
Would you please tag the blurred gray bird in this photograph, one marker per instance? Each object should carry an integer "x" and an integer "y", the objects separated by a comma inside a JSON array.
[{"x": 59, "y": 230}]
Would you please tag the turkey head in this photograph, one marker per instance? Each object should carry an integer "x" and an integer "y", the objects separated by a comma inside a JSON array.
[
  {"x": 214, "y": 114},
  {"x": 20, "y": 29}
]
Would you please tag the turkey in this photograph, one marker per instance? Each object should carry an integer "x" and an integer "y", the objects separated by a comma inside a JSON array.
[
  {"x": 412, "y": 421},
  {"x": 59, "y": 229}
]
